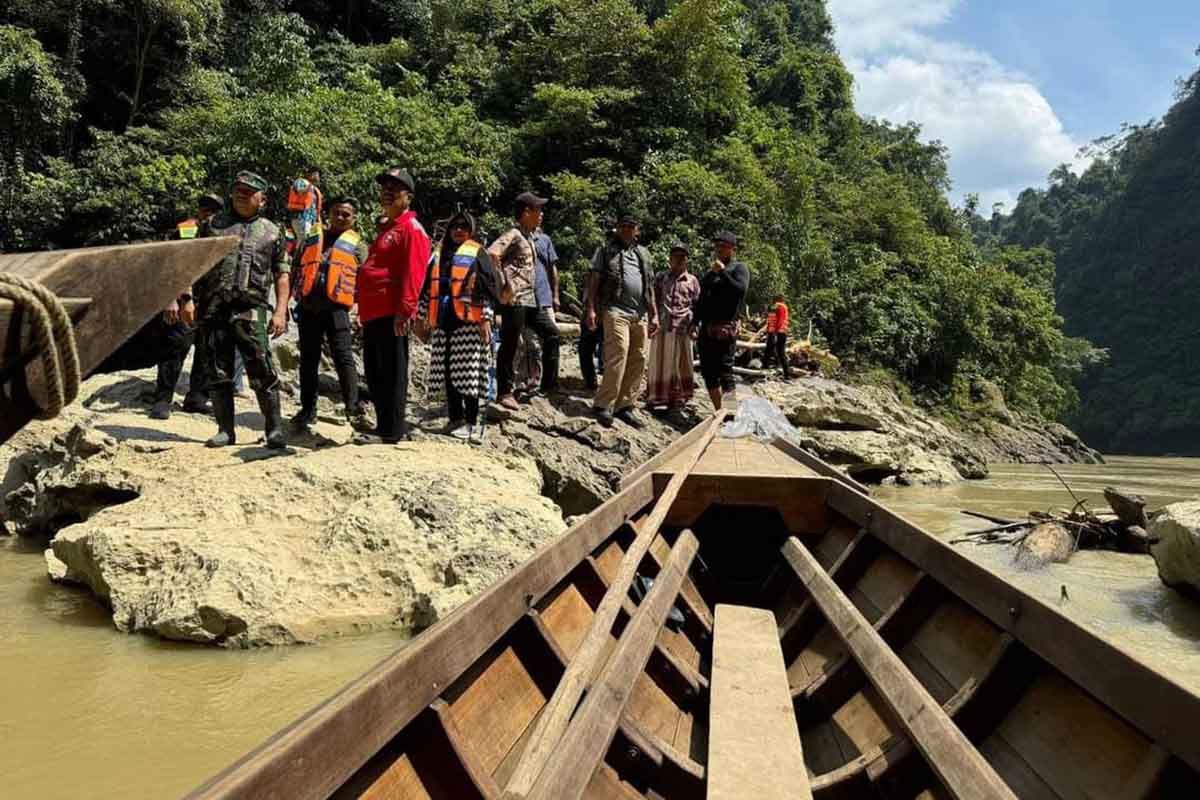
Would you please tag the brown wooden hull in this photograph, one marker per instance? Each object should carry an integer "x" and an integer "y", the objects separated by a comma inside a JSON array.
[
  {"x": 110, "y": 293},
  {"x": 1054, "y": 711}
]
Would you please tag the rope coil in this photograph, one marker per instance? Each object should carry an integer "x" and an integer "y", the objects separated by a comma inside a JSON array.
[{"x": 53, "y": 336}]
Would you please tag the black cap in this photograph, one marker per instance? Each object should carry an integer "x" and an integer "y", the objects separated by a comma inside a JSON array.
[
  {"x": 628, "y": 219},
  {"x": 530, "y": 200},
  {"x": 726, "y": 237},
  {"x": 680, "y": 246},
  {"x": 211, "y": 201},
  {"x": 397, "y": 174}
]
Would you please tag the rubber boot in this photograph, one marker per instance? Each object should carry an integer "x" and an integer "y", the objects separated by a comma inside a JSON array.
[
  {"x": 222, "y": 403},
  {"x": 268, "y": 402}
]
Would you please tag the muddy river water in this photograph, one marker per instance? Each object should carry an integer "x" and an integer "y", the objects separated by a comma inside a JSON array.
[{"x": 89, "y": 712}]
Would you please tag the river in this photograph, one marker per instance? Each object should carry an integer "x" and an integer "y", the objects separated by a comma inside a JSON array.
[{"x": 89, "y": 712}]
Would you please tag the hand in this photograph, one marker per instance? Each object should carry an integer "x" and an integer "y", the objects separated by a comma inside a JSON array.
[
  {"x": 400, "y": 326},
  {"x": 694, "y": 331},
  {"x": 279, "y": 323},
  {"x": 555, "y": 305},
  {"x": 171, "y": 315},
  {"x": 187, "y": 313},
  {"x": 354, "y": 320},
  {"x": 653, "y": 326},
  {"x": 485, "y": 331},
  {"x": 589, "y": 319},
  {"x": 717, "y": 265}
]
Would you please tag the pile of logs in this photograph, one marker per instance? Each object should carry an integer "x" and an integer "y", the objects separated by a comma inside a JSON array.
[
  {"x": 1122, "y": 529},
  {"x": 803, "y": 356}
]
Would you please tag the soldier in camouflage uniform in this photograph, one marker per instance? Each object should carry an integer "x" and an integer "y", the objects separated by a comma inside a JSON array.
[{"x": 236, "y": 308}]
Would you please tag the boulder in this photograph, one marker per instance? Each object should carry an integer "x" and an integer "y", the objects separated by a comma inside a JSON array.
[
  {"x": 872, "y": 434},
  {"x": 1048, "y": 543},
  {"x": 1177, "y": 549},
  {"x": 342, "y": 540}
]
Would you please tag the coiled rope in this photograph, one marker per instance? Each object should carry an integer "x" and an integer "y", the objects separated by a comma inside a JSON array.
[{"x": 53, "y": 335}]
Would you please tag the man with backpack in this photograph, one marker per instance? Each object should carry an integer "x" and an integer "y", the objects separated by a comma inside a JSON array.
[{"x": 620, "y": 296}]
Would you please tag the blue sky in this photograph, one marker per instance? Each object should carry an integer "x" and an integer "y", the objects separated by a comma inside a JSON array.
[{"x": 1015, "y": 88}]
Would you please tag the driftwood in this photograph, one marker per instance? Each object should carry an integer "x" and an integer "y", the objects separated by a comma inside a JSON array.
[{"x": 1124, "y": 530}]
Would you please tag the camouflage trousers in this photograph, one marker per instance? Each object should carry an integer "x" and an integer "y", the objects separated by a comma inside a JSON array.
[{"x": 245, "y": 334}]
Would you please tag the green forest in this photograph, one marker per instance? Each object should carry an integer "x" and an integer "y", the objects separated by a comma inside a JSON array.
[
  {"x": 1125, "y": 235},
  {"x": 698, "y": 115}
]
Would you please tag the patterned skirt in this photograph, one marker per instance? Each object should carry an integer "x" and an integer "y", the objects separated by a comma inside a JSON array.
[
  {"x": 672, "y": 379},
  {"x": 467, "y": 360}
]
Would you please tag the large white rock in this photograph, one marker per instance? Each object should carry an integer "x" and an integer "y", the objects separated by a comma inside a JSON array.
[
  {"x": 341, "y": 540},
  {"x": 1177, "y": 552}
]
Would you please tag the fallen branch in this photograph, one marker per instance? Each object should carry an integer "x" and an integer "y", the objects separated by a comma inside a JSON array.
[{"x": 988, "y": 517}]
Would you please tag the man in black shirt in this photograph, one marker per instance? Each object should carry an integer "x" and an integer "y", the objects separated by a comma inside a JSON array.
[{"x": 722, "y": 298}]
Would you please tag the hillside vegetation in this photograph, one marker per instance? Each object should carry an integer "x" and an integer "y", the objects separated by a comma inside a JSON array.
[
  {"x": 698, "y": 114},
  {"x": 1126, "y": 238}
]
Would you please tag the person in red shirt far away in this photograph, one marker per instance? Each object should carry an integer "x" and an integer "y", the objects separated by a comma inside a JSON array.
[
  {"x": 777, "y": 330},
  {"x": 386, "y": 293}
]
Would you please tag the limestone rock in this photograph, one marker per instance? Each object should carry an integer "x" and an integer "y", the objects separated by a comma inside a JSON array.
[
  {"x": 1177, "y": 551},
  {"x": 872, "y": 434},
  {"x": 338, "y": 541}
]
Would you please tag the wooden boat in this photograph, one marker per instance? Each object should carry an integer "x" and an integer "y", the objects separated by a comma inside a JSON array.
[
  {"x": 109, "y": 293},
  {"x": 798, "y": 639}
]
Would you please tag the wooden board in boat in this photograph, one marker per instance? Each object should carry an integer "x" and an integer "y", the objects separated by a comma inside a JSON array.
[{"x": 911, "y": 671}]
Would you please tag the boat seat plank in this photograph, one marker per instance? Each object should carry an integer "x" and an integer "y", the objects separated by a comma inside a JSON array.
[
  {"x": 574, "y": 759},
  {"x": 754, "y": 745},
  {"x": 960, "y": 767}
]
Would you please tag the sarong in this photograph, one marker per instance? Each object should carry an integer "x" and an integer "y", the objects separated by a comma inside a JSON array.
[{"x": 672, "y": 380}]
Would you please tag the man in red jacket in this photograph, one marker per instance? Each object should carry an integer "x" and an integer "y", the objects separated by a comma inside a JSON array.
[{"x": 387, "y": 290}]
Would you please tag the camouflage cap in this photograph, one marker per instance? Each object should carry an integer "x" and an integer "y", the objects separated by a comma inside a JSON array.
[{"x": 251, "y": 179}]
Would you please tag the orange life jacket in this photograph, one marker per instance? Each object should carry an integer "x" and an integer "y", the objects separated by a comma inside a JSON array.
[
  {"x": 302, "y": 194},
  {"x": 777, "y": 318},
  {"x": 342, "y": 271},
  {"x": 461, "y": 287}
]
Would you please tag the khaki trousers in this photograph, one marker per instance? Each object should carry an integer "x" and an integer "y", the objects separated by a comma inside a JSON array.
[{"x": 625, "y": 343}]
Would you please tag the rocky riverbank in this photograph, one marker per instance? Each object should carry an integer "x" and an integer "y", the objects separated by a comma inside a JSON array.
[{"x": 244, "y": 547}]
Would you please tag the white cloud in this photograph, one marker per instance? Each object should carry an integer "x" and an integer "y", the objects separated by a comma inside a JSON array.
[{"x": 1002, "y": 133}]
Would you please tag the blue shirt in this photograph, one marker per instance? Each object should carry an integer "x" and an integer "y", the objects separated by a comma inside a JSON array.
[{"x": 544, "y": 258}]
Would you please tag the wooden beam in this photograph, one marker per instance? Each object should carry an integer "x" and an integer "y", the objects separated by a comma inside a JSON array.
[
  {"x": 817, "y": 465},
  {"x": 111, "y": 292},
  {"x": 658, "y": 752},
  {"x": 959, "y": 766},
  {"x": 1112, "y": 676},
  {"x": 553, "y": 721},
  {"x": 590, "y": 733},
  {"x": 754, "y": 745},
  {"x": 688, "y": 440},
  {"x": 315, "y": 755}
]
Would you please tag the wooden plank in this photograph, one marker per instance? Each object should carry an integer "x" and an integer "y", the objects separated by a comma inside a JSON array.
[
  {"x": 962, "y": 770},
  {"x": 753, "y": 744},
  {"x": 551, "y": 724},
  {"x": 584, "y": 743},
  {"x": 316, "y": 754},
  {"x": 680, "y": 445},
  {"x": 1115, "y": 678}
]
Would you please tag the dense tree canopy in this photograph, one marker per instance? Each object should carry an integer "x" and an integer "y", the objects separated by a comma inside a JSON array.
[
  {"x": 698, "y": 114},
  {"x": 1126, "y": 237}
]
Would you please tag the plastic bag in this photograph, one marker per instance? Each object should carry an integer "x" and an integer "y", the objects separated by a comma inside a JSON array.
[{"x": 758, "y": 417}]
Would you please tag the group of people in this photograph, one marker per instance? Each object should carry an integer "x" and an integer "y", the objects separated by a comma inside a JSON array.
[{"x": 455, "y": 293}]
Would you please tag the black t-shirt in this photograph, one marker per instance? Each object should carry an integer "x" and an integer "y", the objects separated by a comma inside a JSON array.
[{"x": 723, "y": 294}]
